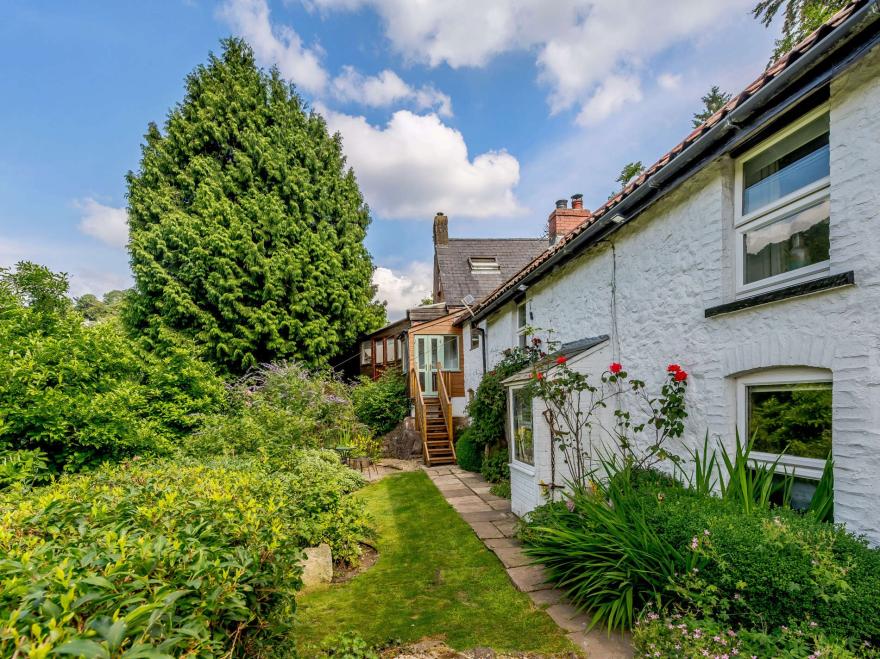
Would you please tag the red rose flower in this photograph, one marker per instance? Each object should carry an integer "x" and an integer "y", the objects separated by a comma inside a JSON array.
[
  {"x": 615, "y": 368},
  {"x": 561, "y": 360},
  {"x": 540, "y": 376},
  {"x": 673, "y": 368},
  {"x": 680, "y": 376}
]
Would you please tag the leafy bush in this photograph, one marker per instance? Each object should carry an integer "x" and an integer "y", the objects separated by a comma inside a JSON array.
[
  {"x": 20, "y": 466},
  {"x": 496, "y": 466},
  {"x": 641, "y": 538},
  {"x": 468, "y": 454},
  {"x": 488, "y": 409},
  {"x": 83, "y": 394},
  {"x": 686, "y": 637},
  {"x": 349, "y": 646},
  {"x": 501, "y": 489},
  {"x": 278, "y": 408},
  {"x": 381, "y": 404},
  {"x": 603, "y": 552},
  {"x": 172, "y": 557}
]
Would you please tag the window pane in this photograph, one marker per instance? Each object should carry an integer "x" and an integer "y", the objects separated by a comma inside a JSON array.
[
  {"x": 450, "y": 353},
  {"x": 521, "y": 316},
  {"x": 787, "y": 166},
  {"x": 523, "y": 447},
  {"x": 793, "y": 242},
  {"x": 380, "y": 352},
  {"x": 366, "y": 353},
  {"x": 795, "y": 418}
]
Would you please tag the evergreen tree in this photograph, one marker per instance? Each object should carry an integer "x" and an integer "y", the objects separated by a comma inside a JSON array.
[
  {"x": 629, "y": 172},
  {"x": 246, "y": 227},
  {"x": 713, "y": 101},
  {"x": 801, "y": 18}
]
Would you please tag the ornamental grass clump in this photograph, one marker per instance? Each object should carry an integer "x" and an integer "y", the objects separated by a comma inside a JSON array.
[{"x": 168, "y": 558}]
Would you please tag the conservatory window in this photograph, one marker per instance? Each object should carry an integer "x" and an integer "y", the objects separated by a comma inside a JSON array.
[
  {"x": 521, "y": 426},
  {"x": 788, "y": 412},
  {"x": 450, "y": 353},
  {"x": 366, "y": 353},
  {"x": 783, "y": 212}
]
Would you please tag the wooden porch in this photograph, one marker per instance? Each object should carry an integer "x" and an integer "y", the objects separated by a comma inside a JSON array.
[{"x": 433, "y": 415}]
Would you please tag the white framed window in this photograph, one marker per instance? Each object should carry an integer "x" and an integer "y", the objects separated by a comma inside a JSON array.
[
  {"x": 366, "y": 353},
  {"x": 380, "y": 351},
  {"x": 782, "y": 209},
  {"x": 484, "y": 265},
  {"x": 522, "y": 325},
  {"x": 787, "y": 409},
  {"x": 475, "y": 339},
  {"x": 521, "y": 427},
  {"x": 451, "y": 361}
]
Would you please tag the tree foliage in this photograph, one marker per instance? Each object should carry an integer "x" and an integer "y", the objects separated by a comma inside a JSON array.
[
  {"x": 713, "y": 101},
  {"x": 630, "y": 171},
  {"x": 94, "y": 308},
  {"x": 246, "y": 227},
  {"x": 800, "y": 18},
  {"x": 80, "y": 394}
]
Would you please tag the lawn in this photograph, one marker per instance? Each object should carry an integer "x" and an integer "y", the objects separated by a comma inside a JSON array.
[{"x": 433, "y": 578}]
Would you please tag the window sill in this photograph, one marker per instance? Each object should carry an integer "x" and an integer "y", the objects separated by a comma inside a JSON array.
[
  {"x": 784, "y": 293},
  {"x": 528, "y": 470}
]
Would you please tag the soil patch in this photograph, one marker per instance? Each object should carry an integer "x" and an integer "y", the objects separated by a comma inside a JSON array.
[{"x": 369, "y": 556}]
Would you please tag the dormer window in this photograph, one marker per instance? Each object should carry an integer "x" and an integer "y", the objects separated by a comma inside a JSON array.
[{"x": 484, "y": 264}]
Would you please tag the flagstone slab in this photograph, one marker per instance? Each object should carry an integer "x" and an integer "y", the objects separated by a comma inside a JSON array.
[
  {"x": 487, "y": 531},
  {"x": 499, "y": 541},
  {"x": 512, "y": 556},
  {"x": 507, "y": 527},
  {"x": 547, "y": 597},
  {"x": 486, "y": 516},
  {"x": 528, "y": 578}
]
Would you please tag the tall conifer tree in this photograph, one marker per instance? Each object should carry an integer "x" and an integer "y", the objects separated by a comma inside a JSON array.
[{"x": 246, "y": 227}]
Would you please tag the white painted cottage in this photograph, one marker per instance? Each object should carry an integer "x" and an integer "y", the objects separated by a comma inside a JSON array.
[{"x": 749, "y": 254}]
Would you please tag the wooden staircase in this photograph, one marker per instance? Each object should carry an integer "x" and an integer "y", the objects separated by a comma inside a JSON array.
[{"x": 434, "y": 420}]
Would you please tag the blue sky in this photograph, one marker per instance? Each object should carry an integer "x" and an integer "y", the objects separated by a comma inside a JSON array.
[{"x": 486, "y": 110}]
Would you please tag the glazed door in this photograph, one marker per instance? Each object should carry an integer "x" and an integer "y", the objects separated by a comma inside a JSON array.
[{"x": 429, "y": 351}]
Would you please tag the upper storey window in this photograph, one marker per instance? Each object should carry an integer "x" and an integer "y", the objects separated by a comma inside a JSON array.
[
  {"x": 481, "y": 264},
  {"x": 783, "y": 215}
]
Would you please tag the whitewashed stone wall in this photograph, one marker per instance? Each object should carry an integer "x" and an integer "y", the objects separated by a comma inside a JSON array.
[{"x": 675, "y": 260}]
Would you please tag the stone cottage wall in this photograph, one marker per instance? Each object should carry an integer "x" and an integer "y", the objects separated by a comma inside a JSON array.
[{"x": 675, "y": 260}]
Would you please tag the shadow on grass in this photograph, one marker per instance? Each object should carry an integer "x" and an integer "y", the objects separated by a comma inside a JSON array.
[{"x": 433, "y": 578}]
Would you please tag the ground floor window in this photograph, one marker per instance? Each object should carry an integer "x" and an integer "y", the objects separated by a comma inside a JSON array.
[
  {"x": 787, "y": 412},
  {"x": 521, "y": 426}
]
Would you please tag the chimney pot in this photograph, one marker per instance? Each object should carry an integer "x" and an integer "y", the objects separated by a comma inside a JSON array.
[
  {"x": 562, "y": 203},
  {"x": 564, "y": 220},
  {"x": 577, "y": 201}
]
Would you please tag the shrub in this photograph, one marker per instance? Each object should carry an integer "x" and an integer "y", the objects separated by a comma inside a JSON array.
[
  {"x": 488, "y": 409},
  {"x": 602, "y": 551},
  {"x": 686, "y": 637},
  {"x": 278, "y": 408},
  {"x": 83, "y": 394},
  {"x": 381, "y": 404},
  {"x": 496, "y": 466},
  {"x": 174, "y": 558},
  {"x": 775, "y": 566},
  {"x": 467, "y": 452},
  {"x": 501, "y": 489}
]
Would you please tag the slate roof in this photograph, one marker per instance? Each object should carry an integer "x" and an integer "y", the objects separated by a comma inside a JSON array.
[
  {"x": 456, "y": 278},
  {"x": 768, "y": 76}
]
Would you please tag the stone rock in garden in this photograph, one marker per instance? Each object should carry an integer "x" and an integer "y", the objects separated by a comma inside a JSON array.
[
  {"x": 317, "y": 565},
  {"x": 403, "y": 442}
]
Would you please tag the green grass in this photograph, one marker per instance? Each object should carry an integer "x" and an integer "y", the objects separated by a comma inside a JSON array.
[{"x": 433, "y": 578}]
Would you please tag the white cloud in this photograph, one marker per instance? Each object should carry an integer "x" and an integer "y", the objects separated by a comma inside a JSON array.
[
  {"x": 281, "y": 46},
  {"x": 106, "y": 223},
  {"x": 278, "y": 45},
  {"x": 416, "y": 165},
  {"x": 579, "y": 44},
  {"x": 404, "y": 289},
  {"x": 388, "y": 89},
  {"x": 612, "y": 95},
  {"x": 669, "y": 81}
]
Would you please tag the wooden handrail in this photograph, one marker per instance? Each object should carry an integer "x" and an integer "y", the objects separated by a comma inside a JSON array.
[
  {"x": 445, "y": 405},
  {"x": 419, "y": 399}
]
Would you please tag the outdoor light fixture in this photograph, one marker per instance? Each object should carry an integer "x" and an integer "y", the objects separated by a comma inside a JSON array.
[
  {"x": 618, "y": 219},
  {"x": 522, "y": 288}
]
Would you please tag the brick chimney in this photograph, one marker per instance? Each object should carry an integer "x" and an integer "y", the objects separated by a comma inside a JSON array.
[
  {"x": 564, "y": 219},
  {"x": 441, "y": 229}
]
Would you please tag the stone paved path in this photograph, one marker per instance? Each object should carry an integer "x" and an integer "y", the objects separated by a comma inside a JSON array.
[{"x": 490, "y": 518}]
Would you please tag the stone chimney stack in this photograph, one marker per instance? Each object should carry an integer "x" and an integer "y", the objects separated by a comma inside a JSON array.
[
  {"x": 564, "y": 219},
  {"x": 441, "y": 229}
]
